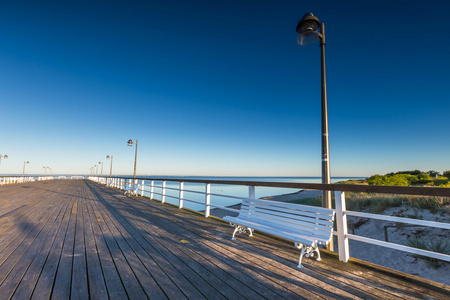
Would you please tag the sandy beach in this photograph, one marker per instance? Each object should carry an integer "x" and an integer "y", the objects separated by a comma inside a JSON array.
[{"x": 394, "y": 259}]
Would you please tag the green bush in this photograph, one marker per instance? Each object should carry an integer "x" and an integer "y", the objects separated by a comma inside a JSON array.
[
  {"x": 441, "y": 181},
  {"x": 376, "y": 180},
  {"x": 424, "y": 178},
  {"x": 397, "y": 179}
]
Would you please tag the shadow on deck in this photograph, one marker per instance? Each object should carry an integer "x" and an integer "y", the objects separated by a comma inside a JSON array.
[{"x": 76, "y": 239}]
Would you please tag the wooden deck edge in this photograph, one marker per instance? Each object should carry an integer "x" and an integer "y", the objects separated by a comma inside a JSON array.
[{"x": 422, "y": 282}]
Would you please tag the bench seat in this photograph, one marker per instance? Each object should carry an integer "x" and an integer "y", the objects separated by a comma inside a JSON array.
[{"x": 307, "y": 226}]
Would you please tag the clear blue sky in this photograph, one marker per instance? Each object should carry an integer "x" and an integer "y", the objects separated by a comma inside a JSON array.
[{"x": 222, "y": 87}]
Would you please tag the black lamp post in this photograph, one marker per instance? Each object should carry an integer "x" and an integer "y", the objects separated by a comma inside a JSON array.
[
  {"x": 308, "y": 33},
  {"x": 130, "y": 143}
]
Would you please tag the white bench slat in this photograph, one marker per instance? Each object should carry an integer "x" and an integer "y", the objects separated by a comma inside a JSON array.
[
  {"x": 293, "y": 223},
  {"x": 308, "y": 208},
  {"x": 276, "y": 210},
  {"x": 320, "y": 234},
  {"x": 251, "y": 206},
  {"x": 273, "y": 214}
]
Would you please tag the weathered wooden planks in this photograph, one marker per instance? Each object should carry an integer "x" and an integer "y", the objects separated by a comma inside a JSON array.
[{"x": 73, "y": 239}]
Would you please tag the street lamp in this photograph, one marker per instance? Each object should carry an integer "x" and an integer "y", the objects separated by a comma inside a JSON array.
[
  {"x": 4, "y": 156},
  {"x": 101, "y": 163},
  {"x": 130, "y": 143},
  {"x": 308, "y": 33},
  {"x": 45, "y": 171},
  {"x": 24, "y": 163},
  {"x": 110, "y": 168}
]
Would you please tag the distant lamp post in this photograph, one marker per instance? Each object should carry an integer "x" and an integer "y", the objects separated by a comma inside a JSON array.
[
  {"x": 101, "y": 163},
  {"x": 24, "y": 163},
  {"x": 3, "y": 156},
  {"x": 110, "y": 168},
  {"x": 308, "y": 33},
  {"x": 96, "y": 170},
  {"x": 130, "y": 143},
  {"x": 45, "y": 171}
]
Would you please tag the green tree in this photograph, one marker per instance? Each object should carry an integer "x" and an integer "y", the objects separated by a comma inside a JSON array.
[
  {"x": 446, "y": 174},
  {"x": 433, "y": 173}
]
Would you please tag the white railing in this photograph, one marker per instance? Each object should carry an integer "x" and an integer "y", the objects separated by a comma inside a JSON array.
[
  {"x": 15, "y": 179},
  {"x": 19, "y": 179},
  {"x": 344, "y": 236},
  {"x": 149, "y": 187}
]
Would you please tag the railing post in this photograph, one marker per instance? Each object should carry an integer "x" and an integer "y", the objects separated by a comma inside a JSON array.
[
  {"x": 207, "y": 200},
  {"x": 180, "y": 201},
  {"x": 251, "y": 192},
  {"x": 142, "y": 187},
  {"x": 341, "y": 220},
  {"x": 163, "y": 196},
  {"x": 152, "y": 184}
]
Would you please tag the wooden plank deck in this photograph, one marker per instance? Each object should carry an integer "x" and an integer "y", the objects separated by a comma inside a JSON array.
[{"x": 75, "y": 239}]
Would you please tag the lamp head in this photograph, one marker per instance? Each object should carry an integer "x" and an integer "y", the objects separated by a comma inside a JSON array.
[
  {"x": 130, "y": 142},
  {"x": 5, "y": 156},
  {"x": 108, "y": 157},
  {"x": 308, "y": 30}
]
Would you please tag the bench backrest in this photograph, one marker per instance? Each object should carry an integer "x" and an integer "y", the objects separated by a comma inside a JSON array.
[{"x": 316, "y": 221}]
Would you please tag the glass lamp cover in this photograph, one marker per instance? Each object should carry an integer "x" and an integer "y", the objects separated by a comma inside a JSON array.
[{"x": 308, "y": 33}]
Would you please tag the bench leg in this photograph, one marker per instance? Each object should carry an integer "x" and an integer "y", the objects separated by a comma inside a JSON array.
[
  {"x": 238, "y": 228},
  {"x": 241, "y": 229},
  {"x": 307, "y": 251},
  {"x": 303, "y": 248},
  {"x": 316, "y": 249}
]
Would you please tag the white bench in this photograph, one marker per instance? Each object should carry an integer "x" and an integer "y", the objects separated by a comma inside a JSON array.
[{"x": 307, "y": 226}]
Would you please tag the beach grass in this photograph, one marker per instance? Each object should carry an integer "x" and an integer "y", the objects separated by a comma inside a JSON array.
[
  {"x": 377, "y": 203},
  {"x": 436, "y": 245}
]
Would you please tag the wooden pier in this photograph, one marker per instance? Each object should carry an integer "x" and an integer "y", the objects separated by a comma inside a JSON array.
[{"x": 75, "y": 239}]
